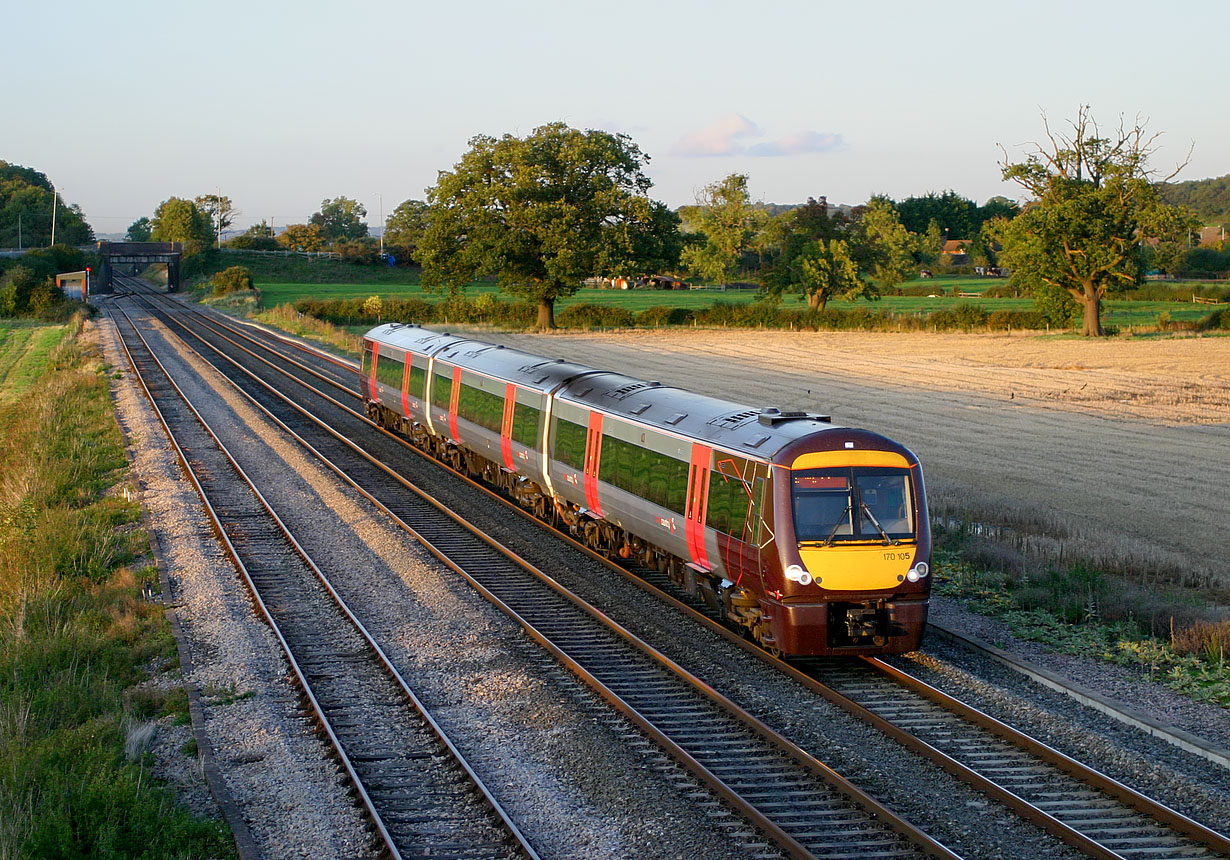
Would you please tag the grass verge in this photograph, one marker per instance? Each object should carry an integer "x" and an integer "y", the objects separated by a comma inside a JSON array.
[
  {"x": 289, "y": 320},
  {"x": 1077, "y": 609},
  {"x": 77, "y": 642}
]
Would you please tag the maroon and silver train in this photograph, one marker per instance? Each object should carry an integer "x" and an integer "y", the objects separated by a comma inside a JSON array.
[{"x": 812, "y": 536}]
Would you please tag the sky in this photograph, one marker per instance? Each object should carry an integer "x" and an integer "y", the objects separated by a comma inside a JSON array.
[{"x": 280, "y": 105}]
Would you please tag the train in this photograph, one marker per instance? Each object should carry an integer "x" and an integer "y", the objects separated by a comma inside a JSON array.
[{"x": 811, "y": 538}]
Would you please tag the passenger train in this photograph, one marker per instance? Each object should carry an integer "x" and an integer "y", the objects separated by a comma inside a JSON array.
[{"x": 812, "y": 537}]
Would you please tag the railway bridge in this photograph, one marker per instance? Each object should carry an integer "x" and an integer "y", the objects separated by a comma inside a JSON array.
[{"x": 138, "y": 253}]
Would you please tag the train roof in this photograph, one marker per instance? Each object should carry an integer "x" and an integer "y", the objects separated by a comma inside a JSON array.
[
  {"x": 754, "y": 431},
  {"x": 512, "y": 365}
]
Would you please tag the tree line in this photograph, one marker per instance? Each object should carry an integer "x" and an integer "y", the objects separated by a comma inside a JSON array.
[{"x": 544, "y": 213}]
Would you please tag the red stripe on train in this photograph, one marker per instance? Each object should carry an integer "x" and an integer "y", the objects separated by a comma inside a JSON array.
[
  {"x": 593, "y": 458},
  {"x": 452, "y": 405},
  {"x": 697, "y": 503},
  {"x": 510, "y": 407}
]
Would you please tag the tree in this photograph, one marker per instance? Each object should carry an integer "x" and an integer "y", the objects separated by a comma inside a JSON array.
[
  {"x": 258, "y": 237},
  {"x": 1095, "y": 202},
  {"x": 956, "y": 215},
  {"x": 542, "y": 213},
  {"x": 16, "y": 289},
  {"x": 340, "y": 219},
  {"x": 882, "y": 245},
  {"x": 727, "y": 219},
  {"x": 405, "y": 227},
  {"x": 785, "y": 237},
  {"x": 139, "y": 230},
  {"x": 232, "y": 279},
  {"x": 302, "y": 237},
  {"x": 26, "y": 202},
  {"x": 220, "y": 211},
  {"x": 179, "y": 220},
  {"x": 827, "y": 270}
]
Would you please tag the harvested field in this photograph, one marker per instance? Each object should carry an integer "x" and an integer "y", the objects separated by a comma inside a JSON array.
[{"x": 1116, "y": 451}]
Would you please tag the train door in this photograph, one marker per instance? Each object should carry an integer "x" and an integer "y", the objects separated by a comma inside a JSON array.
[
  {"x": 697, "y": 498},
  {"x": 593, "y": 458}
]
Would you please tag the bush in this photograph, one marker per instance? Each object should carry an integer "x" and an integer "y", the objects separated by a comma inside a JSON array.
[
  {"x": 362, "y": 252},
  {"x": 587, "y": 316},
  {"x": 1008, "y": 320},
  {"x": 232, "y": 280},
  {"x": 44, "y": 297},
  {"x": 661, "y": 315},
  {"x": 17, "y": 289},
  {"x": 1219, "y": 320},
  {"x": 964, "y": 316}
]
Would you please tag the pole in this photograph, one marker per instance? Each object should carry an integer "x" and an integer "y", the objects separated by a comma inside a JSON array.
[
  {"x": 380, "y": 197},
  {"x": 54, "y": 192},
  {"x": 19, "y": 231}
]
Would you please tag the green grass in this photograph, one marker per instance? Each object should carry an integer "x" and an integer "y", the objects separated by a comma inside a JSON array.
[
  {"x": 76, "y": 640},
  {"x": 1118, "y": 312},
  {"x": 1070, "y": 611},
  {"x": 24, "y": 353}
]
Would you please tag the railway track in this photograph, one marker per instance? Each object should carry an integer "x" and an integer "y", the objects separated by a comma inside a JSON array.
[
  {"x": 420, "y": 794},
  {"x": 1089, "y": 811},
  {"x": 802, "y": 806}
]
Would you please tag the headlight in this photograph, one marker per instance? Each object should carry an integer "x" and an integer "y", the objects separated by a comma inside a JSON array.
[
  {"x": 795, "y": 573},
  {"x": 805, "y": 578},
  {"x": 912, "y": 574},
  {"x": 922, "y": 568}
]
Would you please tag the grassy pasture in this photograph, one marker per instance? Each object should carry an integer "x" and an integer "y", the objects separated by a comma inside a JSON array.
[{"x": 1118, "y": 312}]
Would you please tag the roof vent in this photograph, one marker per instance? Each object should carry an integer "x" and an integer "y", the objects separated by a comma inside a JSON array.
[
  {"x": 734, "y": 419},
  {"x": 771, "y": 415}
]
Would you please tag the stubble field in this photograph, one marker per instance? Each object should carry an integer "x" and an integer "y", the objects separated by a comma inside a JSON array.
[{"x": 1115, "y": 451}]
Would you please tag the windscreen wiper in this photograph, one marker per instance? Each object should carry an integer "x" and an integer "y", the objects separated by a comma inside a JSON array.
[
  {"x": 866, "y": 510},
  {"x": 828, "y": 541}
]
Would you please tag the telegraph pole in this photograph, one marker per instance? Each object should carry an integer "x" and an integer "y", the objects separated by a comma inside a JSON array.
[{"x": 53, "y": 214}]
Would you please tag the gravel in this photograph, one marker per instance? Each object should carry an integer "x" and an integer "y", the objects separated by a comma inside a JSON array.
[
  {"x": 579, "y": 781},
  {"x": 261, "y": 739},
  {"x": 583, "y": 782}
]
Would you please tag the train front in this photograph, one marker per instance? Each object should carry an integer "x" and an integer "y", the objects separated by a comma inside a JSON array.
[{"x": 851, "y": 555}]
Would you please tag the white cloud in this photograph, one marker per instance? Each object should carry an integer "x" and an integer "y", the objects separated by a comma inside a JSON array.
[
  {"x": 719, "y": 138},
  {"x": 799, "y": 143},
  {"x": 734, "y": 134}
]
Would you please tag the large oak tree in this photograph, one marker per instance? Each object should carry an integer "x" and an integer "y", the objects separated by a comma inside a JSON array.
[
  {"x": 1095, "y": 202},
  {"x": 544, "y": 212}
]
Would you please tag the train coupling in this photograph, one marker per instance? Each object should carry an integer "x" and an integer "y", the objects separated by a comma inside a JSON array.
[{"x": 864, "y": 623}]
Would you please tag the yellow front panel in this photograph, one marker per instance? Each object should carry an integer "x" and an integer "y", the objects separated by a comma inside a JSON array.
[
  {"x": 846, "y": 568},
  {"x": 849, "y": 457}
]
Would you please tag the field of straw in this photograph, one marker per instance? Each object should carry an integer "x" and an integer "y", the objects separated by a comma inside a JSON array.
[{"x": 1115, "y": 452}]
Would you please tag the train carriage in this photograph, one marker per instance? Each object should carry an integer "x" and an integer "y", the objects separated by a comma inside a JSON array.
[{"x": 812, "y": 536}]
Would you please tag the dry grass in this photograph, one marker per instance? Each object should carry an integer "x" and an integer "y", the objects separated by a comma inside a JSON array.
[
  {"x": 286, "y": 318},
  {"x": 1209, "y": 640}
]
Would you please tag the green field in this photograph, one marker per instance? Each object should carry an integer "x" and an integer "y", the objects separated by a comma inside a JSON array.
[
  {"x": 1118, "y": 312},
  {"x": 24, "y": 352}
]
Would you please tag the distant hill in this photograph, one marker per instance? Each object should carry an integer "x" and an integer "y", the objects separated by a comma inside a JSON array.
[{"x": 1209, "y": 197}]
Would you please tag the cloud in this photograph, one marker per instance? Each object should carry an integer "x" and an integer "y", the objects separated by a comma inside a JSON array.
[
  {"x": 799, "y": 143},
  {"x": 730, "y": 136},
  {"x": 719, "y": 138}
]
